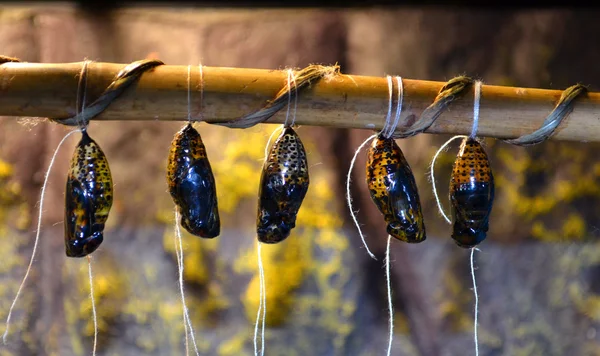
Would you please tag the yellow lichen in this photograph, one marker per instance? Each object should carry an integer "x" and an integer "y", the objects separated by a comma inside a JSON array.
[
  {"x": 454, "y": 297},
  {"x": 285, "y": 266},
  {"x": 109, "y": 294},
  {"x": 233, "y": 345},
  {"x": 6, "y": 169}
]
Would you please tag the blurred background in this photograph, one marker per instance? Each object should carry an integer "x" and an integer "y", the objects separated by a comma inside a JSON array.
[{"x": 538, "y": 271}]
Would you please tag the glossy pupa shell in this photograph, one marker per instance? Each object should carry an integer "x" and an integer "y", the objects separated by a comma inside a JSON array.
[
  {"x": 192, "y": 184},
  {"x": 394, "y": 191},
  {"x": 471, "y": 194},
  {"x": 283, "y": 186},
  {"x": 88, "y": 198}
]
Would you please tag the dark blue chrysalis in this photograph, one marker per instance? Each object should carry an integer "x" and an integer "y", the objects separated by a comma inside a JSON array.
[
  {"x": 192, "y": 184},
  {"x": 88, "y": 198}
]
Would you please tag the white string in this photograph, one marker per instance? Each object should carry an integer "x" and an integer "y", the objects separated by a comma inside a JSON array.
[
  {"x": 261, "y": 271},
  {"x": 83, "y": 76},
  {"x": 94, "y": 315},
  {"x": 295, "y": 97},
  {"x": 201, "y": 73},
  {"x": 90, "y": 274},
  {"x": 389, "y": 294},
  {"x": 37, "y": 235},
  {"x": 262, "y": 304},
  {"x": 183, "y": 304},
  {"x": 386, "y": 125},
  {"x": 349, "y": 198},
  {"x": 475, "y": 339},
  {"x": 476, "y": 101},
  {"x": 42, "y": 194},
  {"x": 290, "y": 74},
  {"x": 189, "y": 93},
  {"x": 398, "y": 107},
  {"x": 435, "y": 193},
  {"x": 187, "y": 323}
]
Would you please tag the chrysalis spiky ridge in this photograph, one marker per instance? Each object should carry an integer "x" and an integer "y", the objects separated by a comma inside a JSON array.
[
  {"x": 88, "y": 198},
  {"x": 394, "y": 190},
  {"x": 284, "y": 183},
  {"x": 471, "y": 194},
  {"x": 192, "y": 184}
]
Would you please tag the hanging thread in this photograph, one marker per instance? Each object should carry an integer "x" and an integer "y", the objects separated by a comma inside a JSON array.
[
  {"x": 94, "y": 315},
  {"x": 201, "y": 74},
  {"x": 476, "y": 104},
  {"x": 387, "y": 130},
  {"x": 83, "y": 127},
  {"x": 262, "y": 304},
  {"x": 432, "y": 174},
  {"x": 79, "y": 107},
  {"x": 187, "y": 323},
  {"x": 475, "y": 338},
  {"x": 389, "y": 295},
  {"x": 37, "y": 235},
  {"x": 388, "y": 281}
]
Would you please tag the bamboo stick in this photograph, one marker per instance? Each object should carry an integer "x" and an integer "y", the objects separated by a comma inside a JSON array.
[{"x": 343, "y": 101}]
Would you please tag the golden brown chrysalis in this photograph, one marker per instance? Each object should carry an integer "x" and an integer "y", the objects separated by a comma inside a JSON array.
[{"x": 394, "y": 190}]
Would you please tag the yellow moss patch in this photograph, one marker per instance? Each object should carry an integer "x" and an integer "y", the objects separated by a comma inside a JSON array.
[
  {"x": 234, "y": 345},
  {"x": 237, "y": 172},
  {"x": 455, "y": 296},
  {"x": 6, "y": 170},
  {"x": 285, "y": 266},
  {"x": 109, "y": 295}
]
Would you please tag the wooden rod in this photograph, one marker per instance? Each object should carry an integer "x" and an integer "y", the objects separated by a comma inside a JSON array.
[{"x": 343, "y": 101}]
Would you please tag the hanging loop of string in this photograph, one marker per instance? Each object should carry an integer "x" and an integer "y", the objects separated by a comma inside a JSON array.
[
  {"x": 473, "y": 135},
  {"x": 390, "y": 126},
  {"x": 387, "y": 131},
  {"x": 474, "y": 128}
]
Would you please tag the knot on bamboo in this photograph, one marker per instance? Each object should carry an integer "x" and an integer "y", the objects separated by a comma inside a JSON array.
[
  {"x": 122, "y": 81},
  {"x": 303, "y": 80}
]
